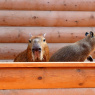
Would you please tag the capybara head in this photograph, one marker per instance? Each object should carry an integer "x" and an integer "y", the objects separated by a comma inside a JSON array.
[{"x": 37, "y": 45}]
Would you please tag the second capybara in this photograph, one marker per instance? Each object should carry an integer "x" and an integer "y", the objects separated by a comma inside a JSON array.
[
  {"x": 76, "y": 52},
  {"x": 37, "y": 51}
]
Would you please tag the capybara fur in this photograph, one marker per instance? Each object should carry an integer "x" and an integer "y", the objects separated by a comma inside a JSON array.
[
  {"x": 76, "y": 52},
  {"x": 37, "y": 51}
]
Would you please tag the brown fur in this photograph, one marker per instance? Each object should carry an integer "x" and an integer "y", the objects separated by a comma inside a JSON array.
[
  {"x": 77, "y": 52},
  {"x": 26, "y": 56}
]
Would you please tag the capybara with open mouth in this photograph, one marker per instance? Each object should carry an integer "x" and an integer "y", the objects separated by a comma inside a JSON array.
[{"x": 37, "y": 51}]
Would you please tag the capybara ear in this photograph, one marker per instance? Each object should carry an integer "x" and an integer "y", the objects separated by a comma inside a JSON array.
[
  {"x": 44, "y": 34},
  {"x": 86, "y": 33},
  {"x": 91, "y": 34},
  {"x": 30, "y": 35}
]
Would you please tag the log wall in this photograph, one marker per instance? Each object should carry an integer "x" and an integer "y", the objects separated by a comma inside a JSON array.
[
  {"x": 53, "y": 5},
  {"x": 63, "y": 21},
  {"x": 47, "y": 18}
]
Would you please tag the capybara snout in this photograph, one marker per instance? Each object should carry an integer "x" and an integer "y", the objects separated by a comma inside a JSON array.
[
  {"x": 36, "y": 48},
  {"x": 36, "y": 45}
]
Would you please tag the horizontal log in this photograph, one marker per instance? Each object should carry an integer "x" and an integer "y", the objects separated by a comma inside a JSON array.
[
  {"x": 47, "y": 64},
  {"x": 11, "y": 60},
  {"x": 47, "y": 18},
  {"x": 62, "y": 5},
  {"x": 48, "y": 77},
  {"x": 11, "y": 50},
  {"x": 66, "y": 91},
  {"x": 6, "y": 60},
  {"x": 53, "y": 34}
]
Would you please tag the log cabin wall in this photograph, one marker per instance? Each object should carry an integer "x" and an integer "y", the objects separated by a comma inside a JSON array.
[{"x": 64, "y": 21}]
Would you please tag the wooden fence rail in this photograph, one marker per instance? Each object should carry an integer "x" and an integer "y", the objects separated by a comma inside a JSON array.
[{"x": 31, "y": 75}]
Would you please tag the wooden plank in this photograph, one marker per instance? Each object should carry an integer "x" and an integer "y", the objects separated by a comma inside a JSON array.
[
  {"x": 11, "y": 50},
  {"x": 47, "y": 64},
  {"x": 62, "y": 5},
  {"x": 53, "y": 34},
  {"x": 74, "y": 91},
  {"x": 11, "y": 60},
  {"x": 46, "y": 77},
  {"x": 47, "y": 18}
]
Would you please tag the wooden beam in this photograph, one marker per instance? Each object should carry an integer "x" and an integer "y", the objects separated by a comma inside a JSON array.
[
  {"x": 47, "y": 18},
  {"x": 46, "y": 77},
  {"x": 10, "y": 60},
  {"x": 55, "y": 5},
  {"x": 53, "y": 34},
  {"x": 47, "y": 64},
  {"x": 11, "y": 50},
  {"x": 72, "y": 91}
]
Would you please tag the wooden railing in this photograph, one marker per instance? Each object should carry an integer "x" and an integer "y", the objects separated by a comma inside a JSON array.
[
  {"x": 46, "y": 75},
  {"x": 35, "y": 78}
]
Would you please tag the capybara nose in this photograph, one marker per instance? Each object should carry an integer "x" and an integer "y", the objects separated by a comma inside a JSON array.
[{"x": 36, "y": 49}]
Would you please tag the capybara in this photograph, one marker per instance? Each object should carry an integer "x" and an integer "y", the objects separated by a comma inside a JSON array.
[
  {"x": 37, "y": 51},
  {"x": 76, "y": 52}
]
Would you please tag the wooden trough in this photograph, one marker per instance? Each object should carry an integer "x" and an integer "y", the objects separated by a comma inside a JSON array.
[{"x": 35, "y": 78}]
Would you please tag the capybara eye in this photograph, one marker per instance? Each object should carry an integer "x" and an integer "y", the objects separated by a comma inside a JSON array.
[
  {"x": 29, "y": 41},
  {"x": 44, "y": 40}
]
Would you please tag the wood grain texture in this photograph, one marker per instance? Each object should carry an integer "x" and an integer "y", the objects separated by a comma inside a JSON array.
[
  {"x": 11, "y": 50},
  {"x": 47, "y": 18},
  {"x": 47, "y": 64},
  {"x": 53, "y": 34},
  {"x": 11, "y": 60},
  {"x": 73, "y": 91},
  {"x": 46, "y": 77},
  {"x": 61, "y": 5},
  {"x": 6, "y": 60}
]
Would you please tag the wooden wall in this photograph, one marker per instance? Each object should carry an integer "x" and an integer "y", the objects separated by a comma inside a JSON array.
[{"x": 64, "y": 22}]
